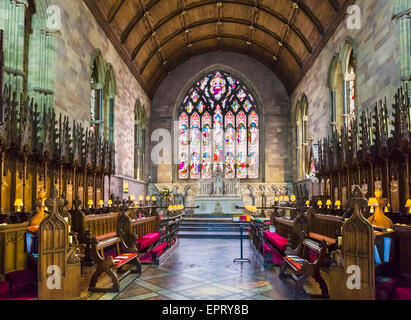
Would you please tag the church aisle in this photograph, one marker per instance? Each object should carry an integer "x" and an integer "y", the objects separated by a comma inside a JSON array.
[{"x": 203, "y": 269}]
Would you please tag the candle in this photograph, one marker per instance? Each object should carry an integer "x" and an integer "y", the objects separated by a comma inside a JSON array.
[{"x": 340, "y": 240}]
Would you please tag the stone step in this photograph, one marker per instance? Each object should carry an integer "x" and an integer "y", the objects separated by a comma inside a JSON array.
[
  {"x": 212, "y": 235},
  {"x": 208, "y": 224},
  {"x": 210, "y": 228}
]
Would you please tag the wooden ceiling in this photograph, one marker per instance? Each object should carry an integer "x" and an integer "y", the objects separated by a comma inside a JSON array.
[{"x": 155, "y": 36}]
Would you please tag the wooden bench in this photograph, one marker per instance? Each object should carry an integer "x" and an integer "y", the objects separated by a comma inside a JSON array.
[
  {"x": 303, "y": 267},
  {"x": 111, "y": 261}
]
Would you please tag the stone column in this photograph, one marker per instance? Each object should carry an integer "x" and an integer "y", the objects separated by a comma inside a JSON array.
[{"x": 402, "y": 16}]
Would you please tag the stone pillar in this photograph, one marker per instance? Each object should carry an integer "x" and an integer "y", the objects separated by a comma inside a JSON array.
[{"x": 402, "y": 16}]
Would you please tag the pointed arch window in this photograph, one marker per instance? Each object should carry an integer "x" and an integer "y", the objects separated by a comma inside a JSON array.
[
  {"x": 302, "y": 139},
  {"x": 139, "y": 142},
  {"x": 96, "y": 94},
  {"x": 218, "y": 128}
]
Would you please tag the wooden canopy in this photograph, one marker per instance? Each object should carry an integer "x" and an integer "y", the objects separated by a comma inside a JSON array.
[{"x": 155, "y": 36}]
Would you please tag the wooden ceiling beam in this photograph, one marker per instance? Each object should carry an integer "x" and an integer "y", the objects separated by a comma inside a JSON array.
[
  {"x": 114, "y": 10},
  {"x": 312, "y": 16},
  {"x": 210, "y": 37},
  {"x": 154, "y": 85},
  {"x": 172, "y": 15},
  {"x": 334, "y": 4},
  {"x": 213, "y": 21}
]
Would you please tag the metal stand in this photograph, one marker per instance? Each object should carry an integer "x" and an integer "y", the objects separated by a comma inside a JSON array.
[{"x": 242, "y": 259}]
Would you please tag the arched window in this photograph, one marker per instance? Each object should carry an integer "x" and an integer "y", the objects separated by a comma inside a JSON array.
[
  {"x": 218, "y": 129},
  {"x": 29, "y": 48},
  {"x": 96, "y": 93},
  {"x": 335, "y": 84},
  {"x": 302, "y": 153},
  {"x": 110, "y": 89},
  {"x": 140, "y": 122},
  {"x": 348, "y": 64}
]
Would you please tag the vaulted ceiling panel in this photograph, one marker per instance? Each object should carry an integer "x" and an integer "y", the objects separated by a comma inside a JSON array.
[{"x": 155, "y": 36}]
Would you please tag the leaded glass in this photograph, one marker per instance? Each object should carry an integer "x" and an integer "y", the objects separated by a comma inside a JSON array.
[{"x": 219, "y": 128}]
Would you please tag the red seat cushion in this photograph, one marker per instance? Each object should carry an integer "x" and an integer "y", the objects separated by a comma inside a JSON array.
[
  {"x": 276, "y": 240},
  {"x": 277, "y": 259},
  {"x": 148, "y": 240},
  {"x": 119, "y": 262},
  {"x": 159, "y": 250},
  {"x": 386, "y": 284},
  {"x": 320, "y": 237},
  {"x": 403, "y": 294},
  {"x": 267, "y": 248},
  {"x": 22, "y": 277},
  {"x": 106, "y": 236},
  {"x": 295, "y": 264}
]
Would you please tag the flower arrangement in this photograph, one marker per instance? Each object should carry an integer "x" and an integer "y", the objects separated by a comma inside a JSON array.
[
  {"x": 251, "y": 209},
  {"x": 165, "y": 192}
]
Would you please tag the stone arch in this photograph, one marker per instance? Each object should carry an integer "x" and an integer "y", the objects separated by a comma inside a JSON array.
[
  {"x": 252, "y": 90},
  {"x": 335, "y": 85}
]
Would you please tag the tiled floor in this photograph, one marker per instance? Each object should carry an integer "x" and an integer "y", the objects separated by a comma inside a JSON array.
[{"x": 203, "y": 269}]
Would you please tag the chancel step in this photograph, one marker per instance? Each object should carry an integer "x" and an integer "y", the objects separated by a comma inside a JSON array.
[{"x": 211, "y": 227}]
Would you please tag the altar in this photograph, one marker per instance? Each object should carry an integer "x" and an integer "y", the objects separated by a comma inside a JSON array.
[{"x": 218, "y": 195}]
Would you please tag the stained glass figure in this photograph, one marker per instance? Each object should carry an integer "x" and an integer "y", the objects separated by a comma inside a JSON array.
[{"x": 218, "y": 128}]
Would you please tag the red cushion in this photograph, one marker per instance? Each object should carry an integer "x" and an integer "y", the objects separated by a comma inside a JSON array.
[
  {"x": 160, "y": 249},
  {"x": 277, "y": 259},
  {"x": 320, "y": 237},
  {"x": 403, "y": 294},
  {"x": 120, "y": 262},
  {"x": 267, "y": 248},
  {"x": 385, "y": 284},
  {"x": 295, "y": 264},
  {"x": 313, "y": 255},
  {"x": 276, "y": 240},
  {"x": 106, "y": 236},
  {"x": 148, "y": 240},
  {"x": 22, "y": 277}
]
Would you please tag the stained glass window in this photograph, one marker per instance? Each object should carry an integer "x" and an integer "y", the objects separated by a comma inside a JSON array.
[{"x": 219, "y": 128}]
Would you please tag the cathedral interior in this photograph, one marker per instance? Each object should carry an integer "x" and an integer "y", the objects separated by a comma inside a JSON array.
[{"x": 147, "y": 145}]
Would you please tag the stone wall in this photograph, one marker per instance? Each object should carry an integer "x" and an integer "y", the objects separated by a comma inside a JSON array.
[
  {"x": 80, "y": 36},
  {"x": 268, "y": 89},
  {"x": 378, "y": 71}
]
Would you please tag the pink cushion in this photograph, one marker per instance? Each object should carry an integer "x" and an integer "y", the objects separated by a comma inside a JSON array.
[
  {"x": 276, "y": 240},
  {"x": 403, "y": 294},
  {"x": 267, "y": 248},
  {"x": 385, "y": 284},
  {"x": 160, "y": 249},
  {"x": 22, "y": 277},
  {"x": 148, "y": 240},
  {"x": 313, "y": 255},
  {"x": 277, "y": 259}
]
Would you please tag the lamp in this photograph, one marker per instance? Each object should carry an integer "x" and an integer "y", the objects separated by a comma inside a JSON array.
[
  {"x": 286, "y": 198},
  {"x": 18, "y": 204},
  {"x": 101, "y": 203},
  {"x": 281, "y": 198},
  {"x": 293, "y": 198},
  {"x": 90, "y": 204},
  {"x": 387, "y": 208},
  {"x": 338, "y": 204},
  {"x": 132, "y": 197},
  {"x": 320, "y": 204},
  {"x": 153, "y": 198},
  {"x": 135, "y": 204},
  {"x": 110, "y": 203},
  {"x": 148, "y": 198},
  {"x": 408, "y": 205},
  {"x": 276, "y": 199},
  {"x": 141, "y": 198},
  {"x": 328, "y": 204},
  {"x": 307, "y": 203},
  {"x": 372, "y": 202}
]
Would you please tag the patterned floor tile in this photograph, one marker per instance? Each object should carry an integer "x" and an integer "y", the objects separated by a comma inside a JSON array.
[{"x": 204, "y": 269}]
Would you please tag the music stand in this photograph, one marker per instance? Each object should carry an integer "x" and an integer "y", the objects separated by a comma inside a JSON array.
[{"x": 242, "y": 259}]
